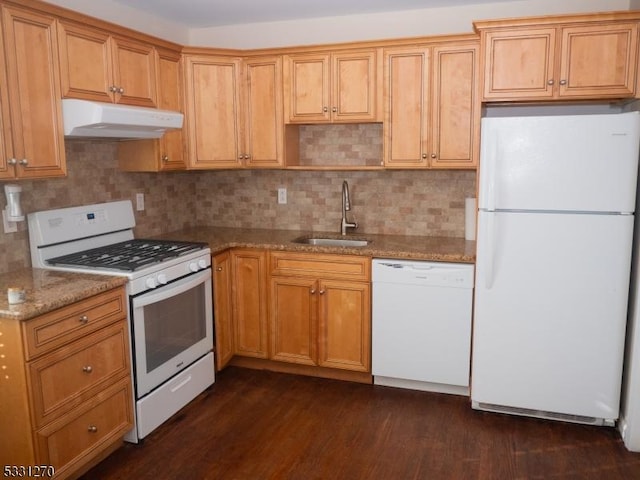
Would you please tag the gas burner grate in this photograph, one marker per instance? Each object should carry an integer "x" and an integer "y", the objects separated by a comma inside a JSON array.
[{"x": 127, "y": 256}]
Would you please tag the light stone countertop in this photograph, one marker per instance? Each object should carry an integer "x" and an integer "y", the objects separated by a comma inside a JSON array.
[
  {"x": 47, "y": 290},
  {"x": 442, "y": 249}
]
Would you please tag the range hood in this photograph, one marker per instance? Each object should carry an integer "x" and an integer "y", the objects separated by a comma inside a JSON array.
[{"x": 83, "y": 118}]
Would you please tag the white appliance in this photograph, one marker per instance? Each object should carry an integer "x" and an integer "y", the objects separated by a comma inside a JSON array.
[
  {"x": 84, "y": 118},
  {"x": 555, "y": 223},
  {"x": 169, "y": 296},
  {"x": 421, "y": 325}
]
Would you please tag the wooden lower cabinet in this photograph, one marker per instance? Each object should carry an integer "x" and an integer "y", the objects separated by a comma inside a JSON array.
[
  {"x": 222, "y": 308},
  {"x": 66, "y": 392},
  {"x": 320, "y": 310}
]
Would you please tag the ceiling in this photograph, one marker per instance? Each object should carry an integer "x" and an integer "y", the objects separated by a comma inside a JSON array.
[{"x": 213, "y": 13}]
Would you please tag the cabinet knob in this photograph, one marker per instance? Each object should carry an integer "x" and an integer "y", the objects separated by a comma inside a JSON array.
[
  {"x": 218, "y": 269},
  {"x": 165, "y": 158},
  {"x": 550, "y": 82},
  {"x": 334, "y": 109},
  {"x": 321, "y": 292},
  {"x": 120, "y": 90},
  {"x": 247, "y": 157},
  {"x": 87, "y": 369},
  {"x": 92, "y": 428},
  {"x": 24, "y": 161},
  {"x": 424, "y": 155},
  {"x": 313, "y": 291},
  {"x": 12, "y": 161},
  {"x": 325, "y": 109},
  {"x": 83, "y": 319},
  {"x": 563, "y": 82},
  {"x": 113, "y": 88},
  {"x": 433, "y": 155}
]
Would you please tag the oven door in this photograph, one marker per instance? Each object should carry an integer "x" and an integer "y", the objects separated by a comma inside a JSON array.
[{"x": 172, "y": 328}]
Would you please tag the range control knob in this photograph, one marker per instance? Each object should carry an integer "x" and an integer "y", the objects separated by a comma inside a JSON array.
[
  {"x": 193, "y": 266},
  {"x": 202, "y": 263},
  {"x": 162, "y": 279},
  {"x": 151, "y": 282}
]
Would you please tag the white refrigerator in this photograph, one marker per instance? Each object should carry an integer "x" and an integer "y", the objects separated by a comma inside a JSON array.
[{"x": 555, "y": 225}]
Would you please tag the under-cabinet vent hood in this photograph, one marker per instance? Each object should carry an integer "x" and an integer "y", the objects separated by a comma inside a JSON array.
[{"x": 83, "y": 118}]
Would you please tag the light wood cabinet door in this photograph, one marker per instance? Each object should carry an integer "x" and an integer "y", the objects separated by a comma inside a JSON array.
[
  {"x": 519, "y": 63},
  {"x": 249, "y": 276},
  {"x": 407, "y": 113},
  {"x": 456, "y": 107},
  {"x": 134, "y": 72},
  {"x": 307, "y": 88},
  {"x": 338, "y": 87},
  {"x": 213, "y": 109},
  {"x": 172, "y": 155},
  {"x": 263, "y": 113},
  {"x": 85, "y": 63},
  {"x": 34, "y": 93},
  {"x": 344, "y": 325},
  {"x": 222, "y": 309},
  {"x": 354, "y": 86},
  {"x": 293, "y": 319},
  {"x": 6, "y": 148},
  {"x": 598, "y": 61}
]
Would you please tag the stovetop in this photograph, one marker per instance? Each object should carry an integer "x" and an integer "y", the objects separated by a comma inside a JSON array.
[{"x": 127, "y": 256}]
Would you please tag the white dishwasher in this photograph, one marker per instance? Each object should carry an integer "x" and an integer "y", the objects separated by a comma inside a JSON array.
[{"x": 421, "y": 325}]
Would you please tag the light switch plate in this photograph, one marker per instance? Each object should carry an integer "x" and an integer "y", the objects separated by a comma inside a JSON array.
[
  {"x": 282, "y": 195},
  {"x": 139, "y": 202}
]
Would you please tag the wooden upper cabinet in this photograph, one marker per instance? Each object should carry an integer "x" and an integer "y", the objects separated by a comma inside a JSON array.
[
  {"x": 549, "y": 62},
  {"x": 30, "y": 101},
  {"x": 337, "y": 87},
  {"x": 172, "y": 155},
  {"x": 432, "y": 109},
  {"x": 263, "y": 144},
  {"x": 213, "y": 120},
  {"x": 98, "y": 66}
]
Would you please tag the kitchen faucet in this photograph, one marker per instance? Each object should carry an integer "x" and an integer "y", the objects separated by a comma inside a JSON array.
[{"x": 346, "y": 206}]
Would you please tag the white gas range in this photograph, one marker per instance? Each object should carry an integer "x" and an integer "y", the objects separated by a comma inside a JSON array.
[{"x": 169, "y": 294}]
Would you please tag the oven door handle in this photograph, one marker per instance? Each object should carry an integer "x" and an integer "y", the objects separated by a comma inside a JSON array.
[{"x": 175, "y": 288}]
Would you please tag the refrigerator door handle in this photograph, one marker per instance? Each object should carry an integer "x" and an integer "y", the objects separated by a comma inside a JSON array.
[
  {"x": 492, "y": 158},
  {"x": 489, "y": 253}
]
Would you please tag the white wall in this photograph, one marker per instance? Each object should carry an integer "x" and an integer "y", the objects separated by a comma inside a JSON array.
[{"x": 434, "y": 21}]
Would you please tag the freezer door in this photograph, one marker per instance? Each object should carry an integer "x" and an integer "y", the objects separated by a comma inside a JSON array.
[
  {"x": 560, "y": 163},
  {"x": 550, "y": 311}
]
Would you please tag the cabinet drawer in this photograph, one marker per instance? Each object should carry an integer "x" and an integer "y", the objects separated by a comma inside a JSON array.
[
  {"x": 54, "y": 329},
  {"x": 351, "y": 267},
  {"x": 76, "y": 438},
  {"x": 72, "y": 374}
]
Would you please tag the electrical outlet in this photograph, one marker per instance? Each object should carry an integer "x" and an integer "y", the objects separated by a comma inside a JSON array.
[
  {"x": 140, "y": 202},
  {"x": 282, "y": 195}
]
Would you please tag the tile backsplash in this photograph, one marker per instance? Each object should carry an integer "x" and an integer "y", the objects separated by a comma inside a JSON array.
[{"x": 394, "y": 202}]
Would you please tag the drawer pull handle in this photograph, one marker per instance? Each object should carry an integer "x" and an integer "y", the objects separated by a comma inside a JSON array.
[
  {"x": 84, "y": 319},
  {"x": 87, "y": 369},
  {"x": 92, "y": 429}
]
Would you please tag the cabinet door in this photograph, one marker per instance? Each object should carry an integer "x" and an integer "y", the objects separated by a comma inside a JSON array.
[
  {"x": 344, "y": 325},
  {"x": 293, "y": 320},
  {"x": 222, "y": 309},
  {"x": 32, "y": 72},
  {"x": 306, "y": 88},
  {"x": 85, "y": 63},
  {"x": 519, "y": 64},
  {"x": 169, "y": 86},
  {"x": 354, "y": 86},
  {"x": 263, "y": 113},
  {"x": 213, "y": 112},
  {"x": 406, "y": 125},
  {"x": 134, "y": 72},
  {"x": 598, "y": 61},
  {"x": 456, "y": 107},
  {"x": 250, "y": 302},
  {"x": 6, "y": 149}
]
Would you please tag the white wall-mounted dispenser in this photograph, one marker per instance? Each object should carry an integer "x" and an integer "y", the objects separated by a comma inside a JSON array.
[{"x": 13, "y": 209}]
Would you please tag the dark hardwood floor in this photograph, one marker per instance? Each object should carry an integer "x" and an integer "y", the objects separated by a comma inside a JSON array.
[{"x": 262, "y": 425}]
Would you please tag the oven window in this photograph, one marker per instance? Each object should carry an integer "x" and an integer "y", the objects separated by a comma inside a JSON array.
[{"x": 173, "y": 325}]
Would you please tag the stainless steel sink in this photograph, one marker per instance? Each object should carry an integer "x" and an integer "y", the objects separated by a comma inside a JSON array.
[{"x": 332, "y": 242}]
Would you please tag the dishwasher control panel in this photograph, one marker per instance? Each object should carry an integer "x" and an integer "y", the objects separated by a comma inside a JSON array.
[{"x": 413, "y": 272}]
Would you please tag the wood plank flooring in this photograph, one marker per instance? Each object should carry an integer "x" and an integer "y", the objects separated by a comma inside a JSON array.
[{"x": 259, "y": 425}]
